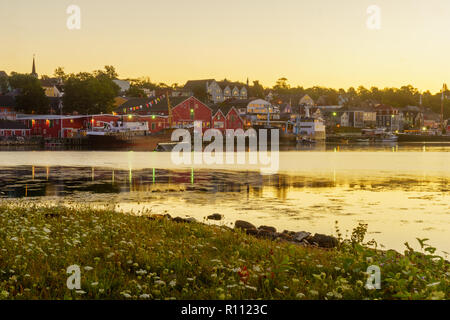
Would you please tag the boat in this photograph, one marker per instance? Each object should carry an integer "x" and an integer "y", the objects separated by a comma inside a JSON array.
[
  {"x": 378, "y": 135},
  {"x": 388, "y": 138},
  {"x": 127, "y": 134},
  {"x": 305, "y": 140}
]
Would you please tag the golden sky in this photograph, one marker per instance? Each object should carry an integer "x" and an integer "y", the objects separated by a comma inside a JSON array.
[{"x": 310, "y": 42}]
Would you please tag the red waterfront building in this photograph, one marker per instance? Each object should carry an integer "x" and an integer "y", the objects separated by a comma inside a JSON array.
[
  {"x": 191, "y": 109},
  {"x": 56, "y": 126},
  {"x": 10, "y": 128},
  {"x": 226, "y": 117},
  {"x": 185, "y": 110}
]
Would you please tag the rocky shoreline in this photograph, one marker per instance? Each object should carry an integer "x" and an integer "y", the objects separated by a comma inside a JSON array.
[{"x": 302, "y": 238}]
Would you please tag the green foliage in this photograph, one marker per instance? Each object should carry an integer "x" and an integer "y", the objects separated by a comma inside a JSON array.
[
  {"x": 143, "y": 83},
  {"x": 32, "y": 97},
  {"x": 126, "y": 256},
  {"x": 135, "y": 91},
  {"x": 4, "y": 84},
  {"x": 413, "y": 275},
  {"x": 396, "y": 97},
  {"x": 90, "y": 93},
  {"x": 200, "y": 93},
  {"x": 257, "y": 90}
]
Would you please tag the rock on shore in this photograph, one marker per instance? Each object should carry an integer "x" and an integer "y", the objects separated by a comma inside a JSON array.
[{"x": 302, "y": 237}]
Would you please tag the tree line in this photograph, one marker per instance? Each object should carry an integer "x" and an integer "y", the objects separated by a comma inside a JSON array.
[
  {"x": 94, "y": 92},
  {"x": 396, "y": 97}
]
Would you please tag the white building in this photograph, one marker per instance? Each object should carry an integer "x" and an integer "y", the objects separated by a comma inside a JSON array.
[{"x": 311, "y": 128}]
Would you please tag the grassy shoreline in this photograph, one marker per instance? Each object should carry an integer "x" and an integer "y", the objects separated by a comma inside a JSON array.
[{"x": 137, "y": 257}]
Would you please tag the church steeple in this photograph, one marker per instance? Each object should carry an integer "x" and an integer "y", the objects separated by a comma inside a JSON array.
[{"x": 33, "y": 71}]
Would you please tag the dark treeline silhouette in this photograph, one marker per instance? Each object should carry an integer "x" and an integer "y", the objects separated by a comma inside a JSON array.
[{"x": 94, "y": 92}]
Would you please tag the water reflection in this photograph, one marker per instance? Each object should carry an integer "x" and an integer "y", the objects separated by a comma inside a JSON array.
[
  {"x": 25, "y": 181},
  {"x": 401, "y": 195}
]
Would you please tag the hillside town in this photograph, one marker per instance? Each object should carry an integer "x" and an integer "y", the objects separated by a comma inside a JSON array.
[{"x": 220, "y": 105}]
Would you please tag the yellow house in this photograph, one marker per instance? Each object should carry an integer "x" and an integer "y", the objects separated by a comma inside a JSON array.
[
  {"x": 50, "y": 87},
  {"x": 306, "y": 100},
  {"x": 118, "y": 101}
]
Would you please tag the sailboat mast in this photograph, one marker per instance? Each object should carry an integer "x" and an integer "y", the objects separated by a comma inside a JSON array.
[
  {"x": 170, "y": 109},
  {"x": 444, "y": 89}
]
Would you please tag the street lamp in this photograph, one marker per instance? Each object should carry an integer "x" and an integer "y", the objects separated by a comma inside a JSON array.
[
  {"x": 60, "y": 106},
  {"x": 444, "y": 90}
]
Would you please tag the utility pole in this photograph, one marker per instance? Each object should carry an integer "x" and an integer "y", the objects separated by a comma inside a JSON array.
[
  {"x": 444, "y": 89},
  {"x": 169, "y": 107},
  {"x": 60, "y": 105}
]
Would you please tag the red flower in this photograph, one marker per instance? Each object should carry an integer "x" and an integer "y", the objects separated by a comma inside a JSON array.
[{"x": 244, "y": 274}]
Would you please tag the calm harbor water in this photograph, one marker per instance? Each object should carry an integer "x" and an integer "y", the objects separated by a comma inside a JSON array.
[{"x": 401, "y": 191}]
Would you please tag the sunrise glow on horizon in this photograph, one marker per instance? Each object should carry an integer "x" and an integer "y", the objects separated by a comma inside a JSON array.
[{"x": 325, "y": 42}]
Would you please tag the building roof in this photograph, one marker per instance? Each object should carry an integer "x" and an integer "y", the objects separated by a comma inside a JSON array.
[
  {"x": 192, "y": 84},
  {"x": 225, "y": 109},
  {"x": 357, "y": 108},
  {"x": 238, "y": 103},
  {"x": 50, "y": 82},
  {"x": 161, "y": 106},
  {"x": 7, "y": 124},
  {"x": 223, "y": 84},
  {"x": 411, "y": 108},
  {"x": 8, "y": 101}
]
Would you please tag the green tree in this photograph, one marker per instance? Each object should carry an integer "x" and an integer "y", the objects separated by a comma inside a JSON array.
[
  {"x": 135, "y": 91},
  {"x": 88, "y": 93},
  {"x": 200, "y": 93},
  {"x": 31, "y": 98},
  {"x": 257, "y": 90},
  {"x": 143, "y": 82},
  {"x": 4, "y": 84},
  {"x": 281, "y": 86},
  {"x": 60, "y": 73}
]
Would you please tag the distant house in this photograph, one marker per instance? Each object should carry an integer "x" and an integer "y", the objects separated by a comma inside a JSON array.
[
  {"x": 53, "y": 87},
  {"x": 312, "y": 128},
  {"x": 388, "y": 117},
  {"x": 431, "y": 119},
  {"x": 260, "y": 106},
  {"x": 218, "y": 91},
  {"x": 356, "y": 117},
  {"x": 123, "y": 85},
  {"x": 7, "y": 108},
  {"x": 345, "y": 119},
  {"x": 412, "y": 117},
  {"x": 306, "y": 100},
  {"x": 226, "y": 117}
]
